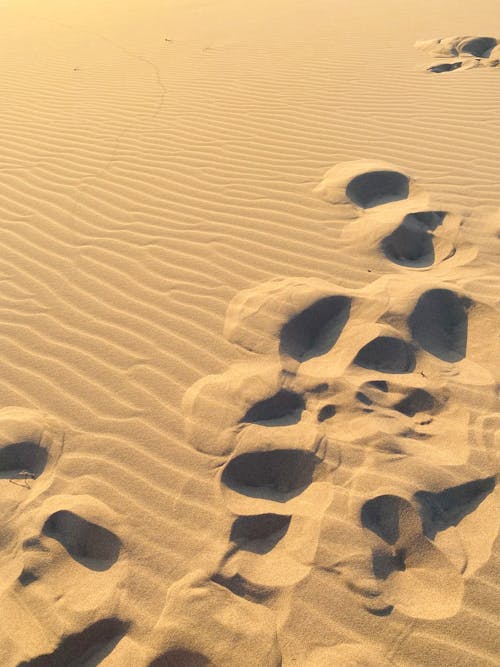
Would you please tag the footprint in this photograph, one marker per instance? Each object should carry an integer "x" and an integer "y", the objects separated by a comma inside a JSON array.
[
  {"x": 277, "y": 475},
  {"x": 422, "y": 552},
  {"x": 277, "y": 470},
  {"x": 418, "y": 580},
  {"x": 365, "y": 184},
  {"x": 480, "y": 47},
  {"x": 418, "y": 400},
  {"x": 88, "y": 543},
  {"x": 387, "y": 355},
  {"x": 439, "y": 324},
  {"x": 316, "y": 329},
  {"x": 283, "y": 408},
  {"x": 467, "y": 52},
  {"x": 71, "y": 525},
  {"x": 189, "y": 633},
  {"x": 30, "y": 445},
  {"x": 261, "y": 533},
  {"x": 375, "y": 188},
  {"x": 88, "y": 647},
  {"x": 445, "y": 67},
  {"x": 411, "y": 244}
]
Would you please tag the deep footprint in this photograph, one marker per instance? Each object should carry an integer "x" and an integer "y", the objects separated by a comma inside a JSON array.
[
  {"x": 480, "y": 47},
  {"x": 444, "y": 67},
  {"x": 411, "y": 243},
  {"x": 261, "y": 533},
  {"x": 22, "y": 457},
  {"x": 316, "y": 329},
  {"x": 382, "y": 515},
  {"x": 282, "y": 409},
  {"x": 271, "y": 474},
  {"x": 387, "y": 355},
  {"x": 418, "y": 400},
  {"x": 91, "y": 545},
  {"x": 84, "y": 649},
  {"x": 378, "y": 187},
  {"x": 439, "y": 324}
]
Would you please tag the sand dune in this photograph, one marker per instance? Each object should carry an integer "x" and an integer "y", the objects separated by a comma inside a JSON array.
[{"x": 250, "y": 311}]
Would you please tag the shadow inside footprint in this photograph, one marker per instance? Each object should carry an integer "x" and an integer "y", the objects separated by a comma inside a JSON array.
[
  {"x": 480, "y": 47},
  {"x": 411, "y": 244},
  {"x": 384, "y": 563},
  {"x": 315, "y": 330},
  {"x": 181, "y": 657},
  {"x": 261, "y": 533},
  {"x": 278, "y": 474},
  {"x": 381, "y": 515},
  {"x": 282, "y": 409},
  {"x": 84, "y": 649},
  {"x": 444, "y": 67},
  {"x": 91, "y": 545},
  {"x": 327, "y": 412},
  {"x": 417, "y": 400},
  {"x": 387, "y": 355},
  {"x": 447, "y": 508},
  {"x": 22, "y": 456},
  {"x": 375, "y": 188},
  {"x": 439, "y": 324}
]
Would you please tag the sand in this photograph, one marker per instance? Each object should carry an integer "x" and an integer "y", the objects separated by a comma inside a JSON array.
[{"x": 249, "y": 320}]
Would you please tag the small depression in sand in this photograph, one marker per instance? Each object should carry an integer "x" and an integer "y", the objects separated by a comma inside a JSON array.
[
  {"x": 411, "y": 244},
  {"x": 382, "y": 516},
  {"x": 281, "y": 409},
  {"x": 21, "y": 457},
  {"x": 277, "y": 475},
  {"x": 259, "y": 534},
  {"x": 91, "y": 545},
  {"x": 387, "y": 355},
  {"x": 480, "y": 47},
  {"x": 417, "y": 400},
  {"x": 327, "y": 412},
  {"x": 316, "y": 329},
  {"x": 439, "y": 324},
  {"x": 444, "y": 67},
  {"x": 375, "y": 188}
]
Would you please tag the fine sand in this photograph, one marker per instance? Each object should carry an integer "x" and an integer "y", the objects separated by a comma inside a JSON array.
[{"x": 250, "y": 314}]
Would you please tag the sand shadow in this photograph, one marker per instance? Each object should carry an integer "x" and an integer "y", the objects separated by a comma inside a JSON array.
[{"x": 84, "y": 649}]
